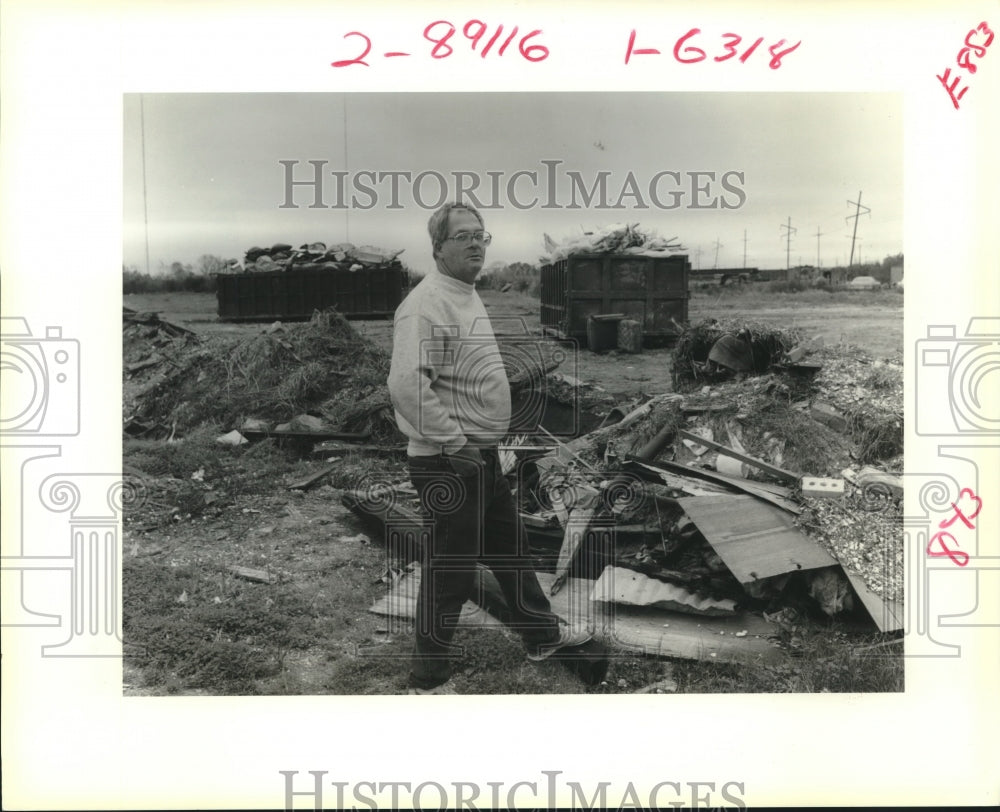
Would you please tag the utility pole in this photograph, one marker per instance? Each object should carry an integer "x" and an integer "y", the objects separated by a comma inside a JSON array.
[
  {"x": 788, "y": 243},
  {"x": 744, "y": 249},
  {"x": 818, "y": 235},
  {"x": 855, "y": 216},
  {"x": 718, "y": 245}
]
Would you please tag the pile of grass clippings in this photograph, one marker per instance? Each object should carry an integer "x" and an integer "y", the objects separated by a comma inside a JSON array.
[
  {"x": 767, "y": 344},
  {"x": 322, "y": 366}
]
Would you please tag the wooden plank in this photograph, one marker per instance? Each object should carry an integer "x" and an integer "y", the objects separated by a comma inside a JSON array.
[
  {"x": 753, "y": 539},
  {"x": 688, "y": 485},
  {"x": 774, "y": 470},
  {"x": 255, "y": 434},
  {"x": 307, "y": 482},
  {"x": 759, "y": 489}
]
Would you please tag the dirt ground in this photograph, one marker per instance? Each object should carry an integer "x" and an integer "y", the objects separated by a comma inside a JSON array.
[
  {"x": 193, "y": 626},
  {"x": 872, "y": 321}
]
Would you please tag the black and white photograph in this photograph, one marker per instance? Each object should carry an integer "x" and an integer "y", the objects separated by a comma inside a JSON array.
[
  {"x": 621, "y": 374},
  {"x": 622, "y": 378}
]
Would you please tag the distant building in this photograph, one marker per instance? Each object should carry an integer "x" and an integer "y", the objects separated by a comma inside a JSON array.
[{"x": 835, "y": 277}]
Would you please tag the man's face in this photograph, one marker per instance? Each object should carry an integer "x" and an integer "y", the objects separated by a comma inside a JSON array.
[{"x": 462, "y": 261}]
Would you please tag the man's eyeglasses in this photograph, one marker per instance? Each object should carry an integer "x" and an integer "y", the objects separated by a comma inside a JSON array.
[{"x": 465, "y": 237}]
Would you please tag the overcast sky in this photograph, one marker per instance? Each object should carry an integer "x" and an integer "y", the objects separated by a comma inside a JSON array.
[{"x": 208, "y": 168}]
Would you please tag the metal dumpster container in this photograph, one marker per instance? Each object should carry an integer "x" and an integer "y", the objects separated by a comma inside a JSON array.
[
  {"x": 652, "y": 290},
  {"x": 372, "y": 293}
]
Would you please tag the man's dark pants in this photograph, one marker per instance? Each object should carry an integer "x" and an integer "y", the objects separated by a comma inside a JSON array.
[{"x": 475, "y": 520}]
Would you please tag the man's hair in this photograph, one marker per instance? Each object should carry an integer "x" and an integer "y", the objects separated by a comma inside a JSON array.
[{"x": 437, "y": 226}]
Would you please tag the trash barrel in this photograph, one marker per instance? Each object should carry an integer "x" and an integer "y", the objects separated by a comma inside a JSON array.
[
  {"x": 602, "y": 332},
  {"x": 629, "y": 336}
]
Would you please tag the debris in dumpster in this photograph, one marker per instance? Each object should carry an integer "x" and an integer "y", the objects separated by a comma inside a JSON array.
[{"x": 613, "y": 239}]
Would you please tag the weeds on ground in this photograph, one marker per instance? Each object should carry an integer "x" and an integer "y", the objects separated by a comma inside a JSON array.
[{"x": 828, "y": 661}]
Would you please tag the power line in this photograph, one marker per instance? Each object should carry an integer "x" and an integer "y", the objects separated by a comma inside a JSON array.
[
  {"x": 788, "y": 243},
  {"x": 855, "y": 216},
  {"x": 145, "y": 211},
  {"x": 718, "y": 245}
]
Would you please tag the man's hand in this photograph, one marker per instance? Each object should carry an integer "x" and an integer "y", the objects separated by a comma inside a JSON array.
[{"x": 467, "y": 461}]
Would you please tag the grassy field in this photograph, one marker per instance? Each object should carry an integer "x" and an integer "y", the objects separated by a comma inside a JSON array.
[{"x": 194, "y": 626}]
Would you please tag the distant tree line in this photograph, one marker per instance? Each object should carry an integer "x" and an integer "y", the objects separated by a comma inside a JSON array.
[
  {"x": 521, "y": 276},
  {"x": 175, "y": 277}
]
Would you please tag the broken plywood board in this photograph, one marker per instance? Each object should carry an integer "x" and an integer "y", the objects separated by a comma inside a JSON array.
[
  {"x": 628, "y": 587},
  {"x": 753, "y": 539},
  {"x": 401, "y": 602},
  {"x": 657, "y": 632}
]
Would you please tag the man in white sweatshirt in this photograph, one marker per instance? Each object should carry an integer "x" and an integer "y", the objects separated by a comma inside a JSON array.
[{"x": 452, "y": 400}]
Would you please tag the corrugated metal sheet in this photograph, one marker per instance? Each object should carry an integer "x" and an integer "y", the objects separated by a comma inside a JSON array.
[
  {"x": 620, "y": 585},
  {"x": 754, "y": 539},
  {"x": 888, "y": 615}
]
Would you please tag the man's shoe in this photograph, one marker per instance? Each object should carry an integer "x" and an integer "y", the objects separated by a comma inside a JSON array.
[
  {"x": 443, "y": 688},
  {"x": 568, "y": 636}
]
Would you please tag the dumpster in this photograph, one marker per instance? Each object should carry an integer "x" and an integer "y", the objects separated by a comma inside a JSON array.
[
  {"x": 652, "y": 290},
  {"x": 371, "y": 293}
]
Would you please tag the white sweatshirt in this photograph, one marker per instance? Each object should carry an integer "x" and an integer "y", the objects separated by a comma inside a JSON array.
[{"x": 447, "y": 381}]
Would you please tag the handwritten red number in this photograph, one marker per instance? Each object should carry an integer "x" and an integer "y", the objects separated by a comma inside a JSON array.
[
  {"x": 474, "y": 37},
  {"x": 440, "y": 42},
  {"x": 533, "y": 53},
  {"x": 971, "y": 49},
  {"x": 678, "y": 50},
  {"x": 631, "y": 49},
  {"x": 959, "y": 514},
  {"x": 358, "y": 60},
  {"x": 508, "y": 41},
  {"x": 957, "y": 556},
  {"x": 775, "y": 62},
  {"x": 735, "y": 39},
  {"x": 493, "y": 39},
  {"x": 751, "y": 49}
]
